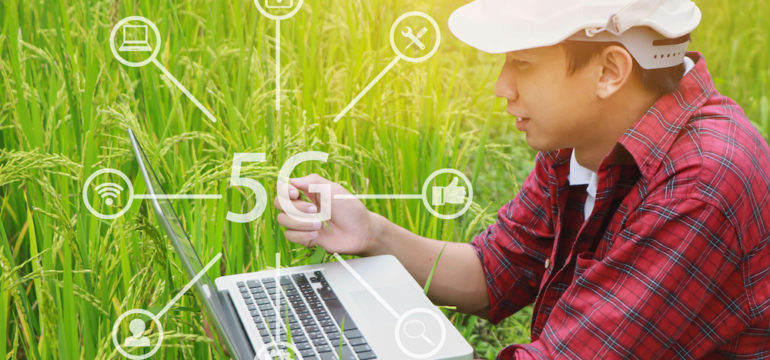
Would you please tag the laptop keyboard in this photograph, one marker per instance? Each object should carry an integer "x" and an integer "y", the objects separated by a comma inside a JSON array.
[{"x": 319, "y": 325}]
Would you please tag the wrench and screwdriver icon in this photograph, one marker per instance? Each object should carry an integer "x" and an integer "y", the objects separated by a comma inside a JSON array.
[{"x": 408, "y": 33}]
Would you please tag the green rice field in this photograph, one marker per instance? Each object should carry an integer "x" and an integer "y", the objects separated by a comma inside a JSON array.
[{"x": 66, "y": 102}]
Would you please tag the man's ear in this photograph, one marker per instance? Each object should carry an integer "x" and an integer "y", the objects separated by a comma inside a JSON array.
[{"x": 617, "y": 67}]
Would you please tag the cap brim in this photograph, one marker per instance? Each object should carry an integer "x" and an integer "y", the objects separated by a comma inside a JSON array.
[
  {"x": 473, "y": 25},
  {"x": 496, "y": 33}
]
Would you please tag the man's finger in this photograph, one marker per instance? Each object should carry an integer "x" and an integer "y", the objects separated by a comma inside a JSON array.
[
  {"x": 304, "y": 238},
  {"x": 292, "y": 224},
  {"x": 304, "y": 182},
  {"x": 287, "y": 190},
  {"x": 300, "y": 205}
]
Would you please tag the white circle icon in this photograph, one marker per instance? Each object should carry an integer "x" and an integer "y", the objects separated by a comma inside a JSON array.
[
  {"x": 109, "y": 192},
  {"x": 277, "y": 5},
  {"x": 134, "y": 35},
  {"x": 137, "y": 339},
  {"x": 412, "y": 333},
  {"x": 415, "y": 36},
  {"x": 452, "y": 194}
]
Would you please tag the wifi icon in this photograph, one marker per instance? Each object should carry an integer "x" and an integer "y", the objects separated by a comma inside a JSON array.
[{"x": 109, "y": 192}]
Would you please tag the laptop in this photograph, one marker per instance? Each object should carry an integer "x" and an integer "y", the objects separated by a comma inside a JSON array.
[
  {"x": 360, "y": 309},
  {"x": 135, "y": 39}
]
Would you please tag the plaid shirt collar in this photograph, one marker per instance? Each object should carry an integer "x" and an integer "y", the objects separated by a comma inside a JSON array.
[{"x": 651, "y": 137}]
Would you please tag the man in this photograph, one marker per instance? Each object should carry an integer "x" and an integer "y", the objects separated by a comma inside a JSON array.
[{"x": 643, "y": 230}]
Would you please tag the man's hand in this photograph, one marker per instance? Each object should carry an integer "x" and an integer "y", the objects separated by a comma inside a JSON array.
[
  {"x": 351, "y": 229},
  {"x": 459, "y": 278}
]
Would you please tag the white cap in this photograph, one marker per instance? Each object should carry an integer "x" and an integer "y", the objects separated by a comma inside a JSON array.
[{"x": 642, "y": 26}]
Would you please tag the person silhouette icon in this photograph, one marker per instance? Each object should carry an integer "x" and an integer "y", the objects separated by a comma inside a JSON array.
[{"x": 137, "y": 339}]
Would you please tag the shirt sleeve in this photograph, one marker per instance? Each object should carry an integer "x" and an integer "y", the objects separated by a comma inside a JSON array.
[
  {"x": 669, "y": 287},
  {"x": 513, "y": 249}
]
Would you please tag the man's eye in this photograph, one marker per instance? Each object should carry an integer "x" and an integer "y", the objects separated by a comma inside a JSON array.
[{"x": 518, "y": 63}]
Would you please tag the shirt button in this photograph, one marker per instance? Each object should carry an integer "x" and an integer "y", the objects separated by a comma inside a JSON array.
[{"x": 547, "y": 263}]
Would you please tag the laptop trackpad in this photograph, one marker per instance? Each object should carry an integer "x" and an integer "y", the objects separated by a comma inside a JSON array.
[
  {"x": 379, "y": 323},
  {"x": 400, "y": 298}
]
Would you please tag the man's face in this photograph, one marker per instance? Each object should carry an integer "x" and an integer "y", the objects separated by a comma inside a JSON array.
[{"x": 556, "y": 110}]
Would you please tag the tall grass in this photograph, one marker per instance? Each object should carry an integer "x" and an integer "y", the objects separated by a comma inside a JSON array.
[{"x": 65, "y": 104}]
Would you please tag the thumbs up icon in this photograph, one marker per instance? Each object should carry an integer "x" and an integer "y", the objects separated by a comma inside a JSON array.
[{"x": 450, "y": 194}]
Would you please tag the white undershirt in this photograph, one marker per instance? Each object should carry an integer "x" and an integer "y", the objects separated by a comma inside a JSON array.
[{"x": 579, "y": 175}]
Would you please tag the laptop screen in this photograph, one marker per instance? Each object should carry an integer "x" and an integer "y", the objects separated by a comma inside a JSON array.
[
  {"x": 179, "y": 237},
  {"x": 213, "y": 303}
]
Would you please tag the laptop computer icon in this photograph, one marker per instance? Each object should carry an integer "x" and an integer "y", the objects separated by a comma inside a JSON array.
[
  {"x": 135, "y": 39},
  {"x": 349, "y": 310}
]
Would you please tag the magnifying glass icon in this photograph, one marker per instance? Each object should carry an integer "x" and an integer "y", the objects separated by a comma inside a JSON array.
[{"x": 419, "y": 333}]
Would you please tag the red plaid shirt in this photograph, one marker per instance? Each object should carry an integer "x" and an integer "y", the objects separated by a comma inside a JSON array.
[{"x": 674, "y": 261}]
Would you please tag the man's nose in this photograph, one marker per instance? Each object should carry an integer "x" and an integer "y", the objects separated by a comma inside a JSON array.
[{"x": 506, "y": 84}]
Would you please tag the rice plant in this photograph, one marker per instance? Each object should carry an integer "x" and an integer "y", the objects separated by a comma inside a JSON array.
[{"x": 65, "y": 105}]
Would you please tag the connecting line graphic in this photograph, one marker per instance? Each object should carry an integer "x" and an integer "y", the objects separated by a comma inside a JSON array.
[
  {"x": 278, "y": 290},
  {"x": 367, "y": 88},
  {"x": 368, "y": 287},
  {"x": 184, "y": 90},
  {"x": 188, "y": 286},
  {"x": 278, "y": 67},
  {"x": 178, "y": 196},
  {"x": 376, "y": 196}
]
